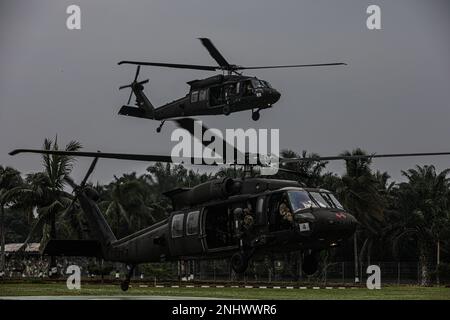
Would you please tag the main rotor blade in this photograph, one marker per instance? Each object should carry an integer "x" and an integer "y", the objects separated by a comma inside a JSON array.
[
  {"x": 214, "y": 52},
  {"x": 119, "y": 156},
  {"x": 293, "y": 66},
  {"x": 69, "y": 208},
  {"x": 138, "y": 69},
  {"x": 172, "y": 65},
  {"x": 70, "y": 181},
  {"x": 129, "y": 97},
  {"x": 357, "y": 157},
  {"x": 88, "y": 173},
  {"x": 188, "y": 124}
]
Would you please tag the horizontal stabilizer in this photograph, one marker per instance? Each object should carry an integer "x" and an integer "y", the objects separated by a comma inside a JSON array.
[
  {"x": 75, "y": 248},
  {"x": 133, "y": 112}
]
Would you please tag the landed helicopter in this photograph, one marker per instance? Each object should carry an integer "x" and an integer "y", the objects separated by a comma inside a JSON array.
[
  {"x": 227, "y": 218},
  {"x": 220, "y": 94}
]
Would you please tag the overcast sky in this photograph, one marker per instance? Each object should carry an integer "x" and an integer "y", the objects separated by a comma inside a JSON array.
[{"x": 392, "y": 97}]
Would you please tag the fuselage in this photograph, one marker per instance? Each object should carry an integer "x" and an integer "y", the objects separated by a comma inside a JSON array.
[
  {"x": 220, "y": 94},
  {"x": 221, "y": 227}
]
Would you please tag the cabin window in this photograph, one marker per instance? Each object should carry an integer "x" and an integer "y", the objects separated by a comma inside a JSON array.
[
  {"x": 230, "y": 90},
  {"x": 260, "y": 205},
  {"x": 177, "y": 225},
  {"x": 215, "y": 96},
  {"x": 194, "y": 96},
  {"x": 219, "y": 227},
  {"x": 202, "y": 95},
  {"x": 261, "y": 217},
  {"x": 192, "y": 223}
]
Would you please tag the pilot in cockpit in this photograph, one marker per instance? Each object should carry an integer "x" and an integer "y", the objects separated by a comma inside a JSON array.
[{"x": 284, "y": 211}]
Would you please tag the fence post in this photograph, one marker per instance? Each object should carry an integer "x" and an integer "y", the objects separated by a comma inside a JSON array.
[
  {"x": 418, "y": 272},
  {"x": 355, "y": 254},
  {"x": 438, "y": 261},
  {"x": 343, "y": 272},
  {"x": 361, "y": 272},
  {"x": 398, "y": 273}
]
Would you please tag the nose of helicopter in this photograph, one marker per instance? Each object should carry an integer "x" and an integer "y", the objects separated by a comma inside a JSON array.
[
  {"x": 269, "y": 95},
  {"x": 274, "y": 96},
  {"x": 333, "y": 224}
]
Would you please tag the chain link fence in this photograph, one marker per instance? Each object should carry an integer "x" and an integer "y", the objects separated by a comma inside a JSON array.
[{"x": 220, "y": 271}]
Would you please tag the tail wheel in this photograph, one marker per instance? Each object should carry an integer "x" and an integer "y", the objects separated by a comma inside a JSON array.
[
  {"x": 124, "y": 285},
  {"x": 239, "y": 262},
  {"x": 255, "y": 115}
]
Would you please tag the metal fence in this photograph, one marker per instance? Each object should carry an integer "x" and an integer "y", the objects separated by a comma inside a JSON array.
[
  {"x": 336, "y": 272},
  {"x": 220, "y": 271}
]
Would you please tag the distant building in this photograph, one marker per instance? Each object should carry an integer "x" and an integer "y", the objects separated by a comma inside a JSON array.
[{"x": 30, "y": 249}]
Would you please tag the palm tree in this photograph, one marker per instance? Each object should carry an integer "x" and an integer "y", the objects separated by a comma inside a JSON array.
[
  {"x": 10, "y": 179},
  {"x": 126, "y": 204},
  {"x": 45, "y": 191},
  {"x": 360, "y": 193},
  {"x": 423, "y": 205}
]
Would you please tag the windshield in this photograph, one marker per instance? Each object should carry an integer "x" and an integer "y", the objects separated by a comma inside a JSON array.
[
  {"x": 259, "y": 83},
  {"x": 321, "y": 201},
  {"x": 335, "y": 201},
  {"x": 300, "y": 200}
]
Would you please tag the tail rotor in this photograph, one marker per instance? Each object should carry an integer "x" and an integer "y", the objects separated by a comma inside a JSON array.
[
  {"x": 134, "y": 84},
  {"x": 78, "y": 188}
]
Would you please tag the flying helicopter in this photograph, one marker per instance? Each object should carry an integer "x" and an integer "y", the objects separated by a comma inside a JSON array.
[
  {"x": 227, "y": 218},
  {"x": 225, "y": 93}
]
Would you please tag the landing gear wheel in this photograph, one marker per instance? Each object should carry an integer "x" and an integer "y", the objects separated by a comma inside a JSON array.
[
  {"x": 255, "y": 115},
  {"x": 239, "y": 262},
  {"x": 226, "y": 110},
  {"x": 158, "y": 129},
  {"x": 310, "y": 264},
  {"x": 124, "y": 285}
]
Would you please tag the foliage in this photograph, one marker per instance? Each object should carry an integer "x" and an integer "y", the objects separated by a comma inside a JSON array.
[{"x": 397, "y": 220}]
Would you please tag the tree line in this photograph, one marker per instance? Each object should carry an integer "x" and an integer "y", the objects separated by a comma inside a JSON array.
[{"x": 407, "y": 221}]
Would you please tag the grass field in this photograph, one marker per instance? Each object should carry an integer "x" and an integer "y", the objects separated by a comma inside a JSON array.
[{"x": 387, "y": 293}]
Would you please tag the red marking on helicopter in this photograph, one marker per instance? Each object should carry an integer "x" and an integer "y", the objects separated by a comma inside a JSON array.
[{"x": 341, "y": 215}]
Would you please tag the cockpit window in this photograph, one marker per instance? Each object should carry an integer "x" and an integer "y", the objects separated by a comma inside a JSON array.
[
  {"x": 300, "y": 200},
  {"x": 335, "y": 201},
  {"x": 260, "y": 83},
  {"x": 321, "y": 201},
  {"x": 247, "y": 88}
]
